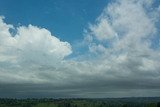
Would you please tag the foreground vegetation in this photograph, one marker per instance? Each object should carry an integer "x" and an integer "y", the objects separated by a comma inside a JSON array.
[{"x": 111, "y": 102}]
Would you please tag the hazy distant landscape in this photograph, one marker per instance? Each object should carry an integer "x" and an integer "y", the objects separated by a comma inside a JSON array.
[{"x": 108, "y": 102}]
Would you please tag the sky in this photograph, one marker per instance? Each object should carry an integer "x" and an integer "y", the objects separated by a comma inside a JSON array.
[{"x": 79, "y": 49}]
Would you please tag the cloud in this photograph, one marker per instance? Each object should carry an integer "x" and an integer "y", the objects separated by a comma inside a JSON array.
[
  {"x": 31, "y": 43},
  {"x": 121, "y": 61},
  {"x": 132, "y": 24},
  {"x": 128, "y": 56},
  {"x": 103, "y": 30},
  {"x": 26, "y": 51}
]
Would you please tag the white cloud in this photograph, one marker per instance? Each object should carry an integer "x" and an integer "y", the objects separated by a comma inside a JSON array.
[
  {"x": 39, "y": 45},
  {"x": 129, "y": 54},
  {"x": 102, "y": 31},
  {"x": 97, "y": 48},
  {"x": 22, "y": 54},
  {"x": 132, "y": 25},
  {"x": 121, "y": 59},
  {"x": 32, "y": 44}
]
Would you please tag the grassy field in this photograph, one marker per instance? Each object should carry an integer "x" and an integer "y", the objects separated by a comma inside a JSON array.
[{"x": 111, "y": 102}]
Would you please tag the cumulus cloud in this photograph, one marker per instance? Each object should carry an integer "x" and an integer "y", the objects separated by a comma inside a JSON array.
[
  {"x": 31, "y": 47},
  {"x": 130, "y": 54},
  {"x": 31, "y": 43},
  {"x": 122, "y": 60},
  {"x": 132, "y": 24},
  {"x": 103, "y": 30}
]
